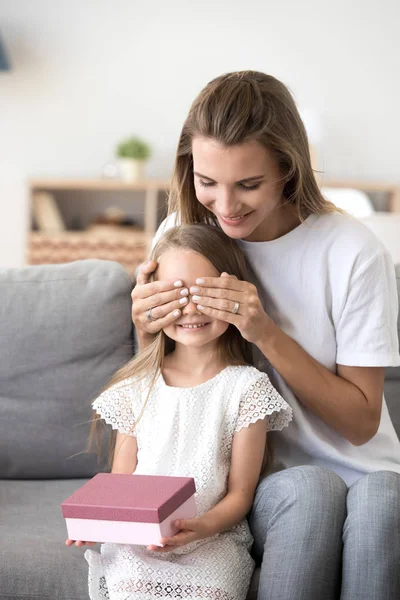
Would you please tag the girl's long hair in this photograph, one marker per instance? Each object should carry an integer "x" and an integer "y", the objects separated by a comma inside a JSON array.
[
  {"x": 235, "y": 108},
  {"x": 225, "y": 256}
]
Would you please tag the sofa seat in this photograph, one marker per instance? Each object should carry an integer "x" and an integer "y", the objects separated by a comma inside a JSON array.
[{"x": 35, "y": 532}]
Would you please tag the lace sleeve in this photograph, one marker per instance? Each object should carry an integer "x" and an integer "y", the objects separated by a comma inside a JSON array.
[
  {"x": 115, "y": 407},
  {"x": 260, "y": 400}
]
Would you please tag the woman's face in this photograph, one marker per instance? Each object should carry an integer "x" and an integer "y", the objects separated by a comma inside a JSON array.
[{"x": 242, "y": 185}]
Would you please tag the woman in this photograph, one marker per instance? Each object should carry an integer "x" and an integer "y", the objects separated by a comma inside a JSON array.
[{"x": 322, "y": 320}]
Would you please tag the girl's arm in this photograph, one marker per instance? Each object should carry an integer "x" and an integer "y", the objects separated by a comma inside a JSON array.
[
  {"x": 125, "y": 454},
  {"x": 248, "y": 448}
]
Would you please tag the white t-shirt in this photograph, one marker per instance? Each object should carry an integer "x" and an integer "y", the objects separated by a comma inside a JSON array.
[{"x": 330, "y": 285}]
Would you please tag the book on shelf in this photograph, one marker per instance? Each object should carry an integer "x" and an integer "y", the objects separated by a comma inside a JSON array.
[{"x": 46, "y": 213}]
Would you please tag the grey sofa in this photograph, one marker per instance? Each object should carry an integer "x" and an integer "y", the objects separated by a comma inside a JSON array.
[{"x": 63, "y": 330}]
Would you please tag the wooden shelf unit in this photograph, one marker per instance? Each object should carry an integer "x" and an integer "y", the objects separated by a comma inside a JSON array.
[
  {"x": 54, "y": 243},
  {"x": 151, "y": 188}
]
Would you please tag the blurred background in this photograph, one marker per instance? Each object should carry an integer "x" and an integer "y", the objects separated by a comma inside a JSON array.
[{"x": 93, "y": 95}]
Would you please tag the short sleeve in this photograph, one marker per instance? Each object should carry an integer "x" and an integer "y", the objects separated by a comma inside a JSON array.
[
  {"x": 260, "y": 400},
  {"x": 116, "y": 408},
  {"x": 366, "y": 332}
]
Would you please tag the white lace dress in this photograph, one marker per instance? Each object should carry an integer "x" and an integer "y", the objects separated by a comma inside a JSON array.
[{"x": 186, "y": 432}]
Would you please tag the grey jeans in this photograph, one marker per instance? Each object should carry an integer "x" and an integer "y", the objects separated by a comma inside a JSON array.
[{"x": 319, "y": 540}]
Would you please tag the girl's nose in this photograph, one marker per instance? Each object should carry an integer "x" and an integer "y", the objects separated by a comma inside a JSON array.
[{"x": 190, "y": 308}]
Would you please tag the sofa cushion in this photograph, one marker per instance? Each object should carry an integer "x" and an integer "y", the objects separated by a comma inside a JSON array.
[
  {"x": 392, "y": 397},
  {"x": 392, "y": 378},
  {"x": 394, "y": 372},
  {"x": 35, "y": 564},
  {"x": 64, "y": 329}
]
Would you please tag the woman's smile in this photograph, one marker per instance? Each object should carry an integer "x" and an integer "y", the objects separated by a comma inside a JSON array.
[{"x": 235, "y": 220}]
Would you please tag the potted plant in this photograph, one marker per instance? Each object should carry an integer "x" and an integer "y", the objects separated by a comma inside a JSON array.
[{"x": 133, "y": 153}]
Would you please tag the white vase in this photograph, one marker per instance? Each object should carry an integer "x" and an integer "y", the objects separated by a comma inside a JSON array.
[{"x": 131, "y": 169}]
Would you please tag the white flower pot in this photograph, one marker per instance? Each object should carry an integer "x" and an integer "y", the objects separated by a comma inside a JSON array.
[{"x": 131, "y": 169}]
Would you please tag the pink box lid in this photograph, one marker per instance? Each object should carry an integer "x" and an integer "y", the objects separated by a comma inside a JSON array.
[{"x": 117, "y": 497}]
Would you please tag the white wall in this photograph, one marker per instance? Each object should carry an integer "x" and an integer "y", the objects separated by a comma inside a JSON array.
[
  {"x": 14, "y": 218},
  {"x": 88, "y": 72}
]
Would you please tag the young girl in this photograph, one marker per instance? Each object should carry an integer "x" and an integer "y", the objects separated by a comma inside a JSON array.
[{"x": 190, "y": 405}]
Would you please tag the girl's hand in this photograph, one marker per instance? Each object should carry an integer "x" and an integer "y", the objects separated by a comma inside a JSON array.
[
  {"x": 219, "y": 297},
  {"x": 78, "y": 543},
  {"x": 190, "y": 531},
  {"x": 162, "y": 298}
]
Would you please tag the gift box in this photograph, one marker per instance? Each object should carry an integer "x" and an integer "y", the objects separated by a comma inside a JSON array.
[{"x": 128, "y": 509}]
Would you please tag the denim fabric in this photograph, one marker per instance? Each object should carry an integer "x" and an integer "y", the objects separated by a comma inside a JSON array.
[
  {"x": 371, "y": 535},
  {"x": 318, "y": 540},
  {"x": 297, "y": 521}
]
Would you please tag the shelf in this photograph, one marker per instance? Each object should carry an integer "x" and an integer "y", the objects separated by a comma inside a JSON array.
[
  {"x": 42, "y": 190},
  {"x": 98, "y": 184}
]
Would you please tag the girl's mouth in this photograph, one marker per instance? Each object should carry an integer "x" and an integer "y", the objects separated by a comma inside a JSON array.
[{"x": 193, "y": 326}]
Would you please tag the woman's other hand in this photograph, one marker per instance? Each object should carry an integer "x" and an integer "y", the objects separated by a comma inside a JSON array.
[
  {"x": 236, "y": 302},
  {"x": 157, "y": 304}
]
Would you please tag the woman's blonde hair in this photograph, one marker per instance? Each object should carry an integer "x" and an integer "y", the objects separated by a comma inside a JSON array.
[
  {"x": 238, "y": 107},
  {"x": 225, "y": 255}
]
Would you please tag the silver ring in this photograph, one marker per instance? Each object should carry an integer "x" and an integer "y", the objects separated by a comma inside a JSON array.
[
  {"x": 236, "y": 308},
  {"x": 149, "y": 316}
]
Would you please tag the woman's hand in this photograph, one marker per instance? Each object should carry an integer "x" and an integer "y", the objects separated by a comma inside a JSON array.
[
  {"x": 157, "y": 304},
  {"x": 79, "y": 543},
  {"x": 190, "y": 531},
  {"x": 237, "y": 302}
]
